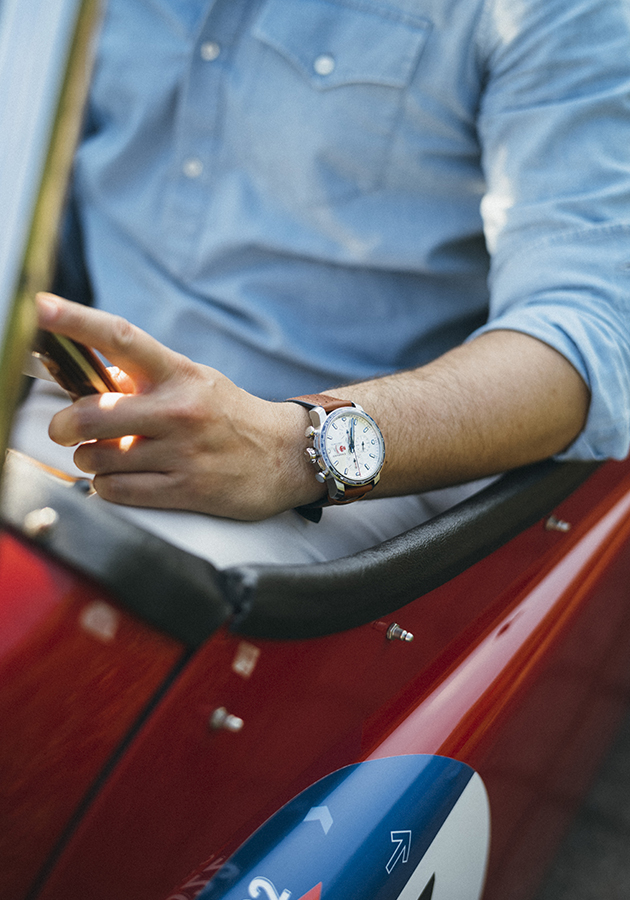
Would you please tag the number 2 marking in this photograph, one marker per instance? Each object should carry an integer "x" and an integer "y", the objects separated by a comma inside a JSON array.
[{"x": 260, "y": 886}]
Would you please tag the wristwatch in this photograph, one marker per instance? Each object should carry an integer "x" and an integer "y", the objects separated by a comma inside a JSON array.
[{"x": 348, "y": 450}]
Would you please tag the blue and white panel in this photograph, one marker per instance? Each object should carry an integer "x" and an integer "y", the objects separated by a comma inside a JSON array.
[{"x": 403, "y": 828}]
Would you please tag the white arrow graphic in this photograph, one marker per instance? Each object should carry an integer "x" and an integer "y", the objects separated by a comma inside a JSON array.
[
  {"x": 402, "y": 839},
  {"x": 322, "y": 815}
]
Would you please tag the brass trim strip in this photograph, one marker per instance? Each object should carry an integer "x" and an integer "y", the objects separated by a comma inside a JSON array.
[{"x": 41, "y": 245}]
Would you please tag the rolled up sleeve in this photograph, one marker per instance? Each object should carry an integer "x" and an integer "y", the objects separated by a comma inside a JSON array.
[{"x": 555, "y": 131}]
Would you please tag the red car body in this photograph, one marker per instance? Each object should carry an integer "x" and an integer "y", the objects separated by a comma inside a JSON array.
[
  {"x": 115, "y": 785},
  {"x": 161, "y": 720}
]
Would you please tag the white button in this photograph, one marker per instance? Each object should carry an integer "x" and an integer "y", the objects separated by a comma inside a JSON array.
[
  {"x": 324, "y": 64},
  {"x": 192, "y": 167},
  {"x": 210, "y": 50}
]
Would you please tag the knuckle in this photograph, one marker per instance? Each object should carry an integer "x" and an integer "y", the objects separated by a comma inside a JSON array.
[
  {"x": 122, "y": 333},
  {"x": 81, "y": 418},
  {"x": 183, "y": 366},
  {"x": 189, "y": 411}
]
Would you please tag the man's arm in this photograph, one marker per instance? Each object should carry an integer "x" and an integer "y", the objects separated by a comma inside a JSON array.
[
  {"x": 500, "y": 401},
  {"x": 201, "y": 443}
]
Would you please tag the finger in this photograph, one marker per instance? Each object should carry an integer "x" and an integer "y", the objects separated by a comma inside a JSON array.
[
  {"x": 148, "y": 489},
  {"x": 123, "y": 382},
  {"x": 107, "y": 416},
  {"x": 127, "y": 454},
  {"x": 135, "y": 489},
  {"x": 125, "y": 345}
]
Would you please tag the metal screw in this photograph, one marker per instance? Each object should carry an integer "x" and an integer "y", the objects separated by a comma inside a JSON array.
[
  {"x": 222, "y": 720},
  {"x": 39, "y": 523},
  {"x": 553, "y": 524},
  {"x": 396, "y": 633}
]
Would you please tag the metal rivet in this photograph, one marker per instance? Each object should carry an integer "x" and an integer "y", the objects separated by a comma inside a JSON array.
[
  {"x": 553, "y": 524},
  {"x": 396, "y": 633},
  {"x": 39, "y": 523},
  {"x": 222, "y": 720}
]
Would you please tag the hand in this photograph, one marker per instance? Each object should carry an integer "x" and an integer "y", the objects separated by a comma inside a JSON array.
[{"x": 179, "y": 435}]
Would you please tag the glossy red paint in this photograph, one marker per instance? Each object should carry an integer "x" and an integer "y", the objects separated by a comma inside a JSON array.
[
  {"x": 535, "y": 700},
  {"x": 515, "y": 669},
  {"x": 75, "y": 674}
]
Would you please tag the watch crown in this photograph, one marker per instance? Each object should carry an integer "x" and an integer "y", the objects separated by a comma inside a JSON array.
[
  {"x": 319, "y": 476},
  {"x": 312, "y": 454},
  {"x": 310, "y": 432}
]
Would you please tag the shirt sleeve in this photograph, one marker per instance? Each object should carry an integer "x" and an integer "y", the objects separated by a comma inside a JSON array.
[{"x": 554, "y": 126}]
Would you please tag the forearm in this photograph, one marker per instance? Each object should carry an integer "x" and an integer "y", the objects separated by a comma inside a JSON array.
[
  {"x": 500, "y": 401},
  {"x": 200, "y": 443}
]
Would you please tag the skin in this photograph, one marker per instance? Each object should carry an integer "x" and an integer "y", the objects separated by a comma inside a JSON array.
[{"x": 199, "y": 442}]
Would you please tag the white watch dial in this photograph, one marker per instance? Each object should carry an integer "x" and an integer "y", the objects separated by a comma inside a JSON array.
[{"x": 352, "y": 446}]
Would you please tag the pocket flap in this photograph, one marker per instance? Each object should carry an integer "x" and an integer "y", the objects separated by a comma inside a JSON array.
[{"x": 334, "y": 44}]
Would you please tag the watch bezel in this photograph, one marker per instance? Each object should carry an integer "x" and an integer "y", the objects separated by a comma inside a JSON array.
[{"x": 320, "y": 446}]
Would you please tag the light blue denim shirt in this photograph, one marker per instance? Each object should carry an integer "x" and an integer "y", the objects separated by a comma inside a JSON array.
[{"x": 309, "y": 192}]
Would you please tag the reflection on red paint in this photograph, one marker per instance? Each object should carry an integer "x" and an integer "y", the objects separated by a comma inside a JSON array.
[{"x": 74, "y": 675}]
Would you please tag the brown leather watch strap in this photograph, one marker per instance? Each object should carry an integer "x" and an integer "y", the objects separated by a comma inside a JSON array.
[{"x": 327, "y": 402}]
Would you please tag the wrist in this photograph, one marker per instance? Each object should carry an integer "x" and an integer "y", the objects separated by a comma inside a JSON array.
[
  {"x": 346, "y": 450},
  {"x": 298, "y": 485}
]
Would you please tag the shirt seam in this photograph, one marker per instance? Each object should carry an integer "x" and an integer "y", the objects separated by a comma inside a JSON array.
[{"x": 384, "y": 11}]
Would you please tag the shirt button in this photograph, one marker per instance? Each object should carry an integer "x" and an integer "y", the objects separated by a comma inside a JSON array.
[
  {"x": 324, "y": 64},
  {"x": 210, "y": 50},
  {"x": 192, "y": 167}
]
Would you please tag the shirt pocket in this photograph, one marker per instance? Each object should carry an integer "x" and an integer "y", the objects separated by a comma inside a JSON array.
[{"x": 328, "y": 91}]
